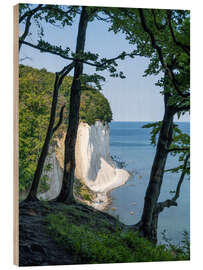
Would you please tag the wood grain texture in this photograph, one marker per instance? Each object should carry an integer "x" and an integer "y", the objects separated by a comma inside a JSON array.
[{"x": 15, "y": 138}]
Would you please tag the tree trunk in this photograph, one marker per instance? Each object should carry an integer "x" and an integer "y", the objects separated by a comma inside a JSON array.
[
  {"x": 32, "y": 196},
  {"x": 66, "y": 193},
  {"x": 148, "y": 224}
]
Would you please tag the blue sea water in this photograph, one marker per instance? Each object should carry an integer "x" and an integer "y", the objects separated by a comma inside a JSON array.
[{"x": 131, "y": 143}]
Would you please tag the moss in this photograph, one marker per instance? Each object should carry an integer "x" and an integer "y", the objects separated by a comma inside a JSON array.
[{"x": 104, "y": 246}]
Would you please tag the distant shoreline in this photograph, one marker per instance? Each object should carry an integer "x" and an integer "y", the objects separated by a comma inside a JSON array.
[{"x": 113, "y": 121}]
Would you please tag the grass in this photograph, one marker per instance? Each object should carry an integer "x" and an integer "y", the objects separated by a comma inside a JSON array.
[{"x": 104, "y": 246}]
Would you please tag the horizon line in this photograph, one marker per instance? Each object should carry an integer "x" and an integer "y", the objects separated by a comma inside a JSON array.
[{"x": 146, "y": 121}]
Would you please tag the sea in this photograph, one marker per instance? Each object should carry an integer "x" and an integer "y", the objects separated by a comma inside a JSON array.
[{"x": 130, "y": 143}]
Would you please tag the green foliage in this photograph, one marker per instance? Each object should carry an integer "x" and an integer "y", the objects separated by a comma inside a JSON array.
[
  {"x": 155, "y": 130},
  {"x": 182, "y": 250},
  {"x": 82, "y": 192},
  {"x": 54, "y": 14},
  {"x": 165, "y": 40},
  {"x": 57, "y": 49},
  {"x": 92, "y": 79},
  {"x": 180, "y": 145},
  {"x": 104, "y": 246},
  {"x": 94, "y": 106},
  {"x": 35, "y": 97}
]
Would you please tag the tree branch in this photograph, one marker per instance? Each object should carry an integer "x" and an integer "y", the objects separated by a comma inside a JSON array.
[
  {"x": 168, "y": 203},
  {"x": 99, "y": 65},
  {"x": 178, "y": 149},
  {"x": 30, "y": 13},
  {"x": 45, "y": 50},
  {"x": 155, "y": 21},
  {"x": 182, "y": 108},
  {"x": 60, "y": 119},
  {"x": 64, "y": 72},
  {"x": 184, "y": 47},
  {"x": 161, "y": 58},
  {"x": 27, "y": 27},
  {"x": 177, "y": 194},
  {"x": 46, "y": 8},
  {"x": 91, "y": 13}
]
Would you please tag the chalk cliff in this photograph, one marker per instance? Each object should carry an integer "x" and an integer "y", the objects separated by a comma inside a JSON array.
[
  {"x": 93, "y": 162},
  {"x": 94, "y": 165}
]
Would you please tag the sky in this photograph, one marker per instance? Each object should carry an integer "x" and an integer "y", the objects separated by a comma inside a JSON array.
[{"x": 135, "y": 98}]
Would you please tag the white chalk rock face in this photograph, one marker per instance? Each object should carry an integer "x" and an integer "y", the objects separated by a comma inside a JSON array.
[
  {"x": 93, "y": 162},
  {"x": 55, "y": 176}
]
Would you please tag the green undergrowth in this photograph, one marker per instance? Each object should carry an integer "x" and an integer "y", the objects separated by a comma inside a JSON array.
[
  {"x": 82, "y": 192},
  {"x": 92, "y": 245}
]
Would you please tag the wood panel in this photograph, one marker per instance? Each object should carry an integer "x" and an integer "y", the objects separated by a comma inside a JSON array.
[{"x": 15, "y": 138}]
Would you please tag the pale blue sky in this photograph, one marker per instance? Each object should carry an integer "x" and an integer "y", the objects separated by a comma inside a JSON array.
[{"x": 135, "y": 98}]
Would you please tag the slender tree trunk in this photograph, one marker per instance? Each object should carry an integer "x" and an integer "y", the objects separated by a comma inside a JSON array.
[
  {"x": 66, "y": 193},
  {"x": 32, "y": 196},
  {"x": 148, "y": 224}
]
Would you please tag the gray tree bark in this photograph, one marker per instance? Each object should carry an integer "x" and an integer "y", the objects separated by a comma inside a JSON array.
[
  {"x": 66, "y": 193},
  {"x": 148, "y": 224}
]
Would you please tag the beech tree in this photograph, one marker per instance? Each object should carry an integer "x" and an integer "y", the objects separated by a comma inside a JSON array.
[
  {"x": 164, "y": 37},
  {"x": 64, "y": 15}
]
